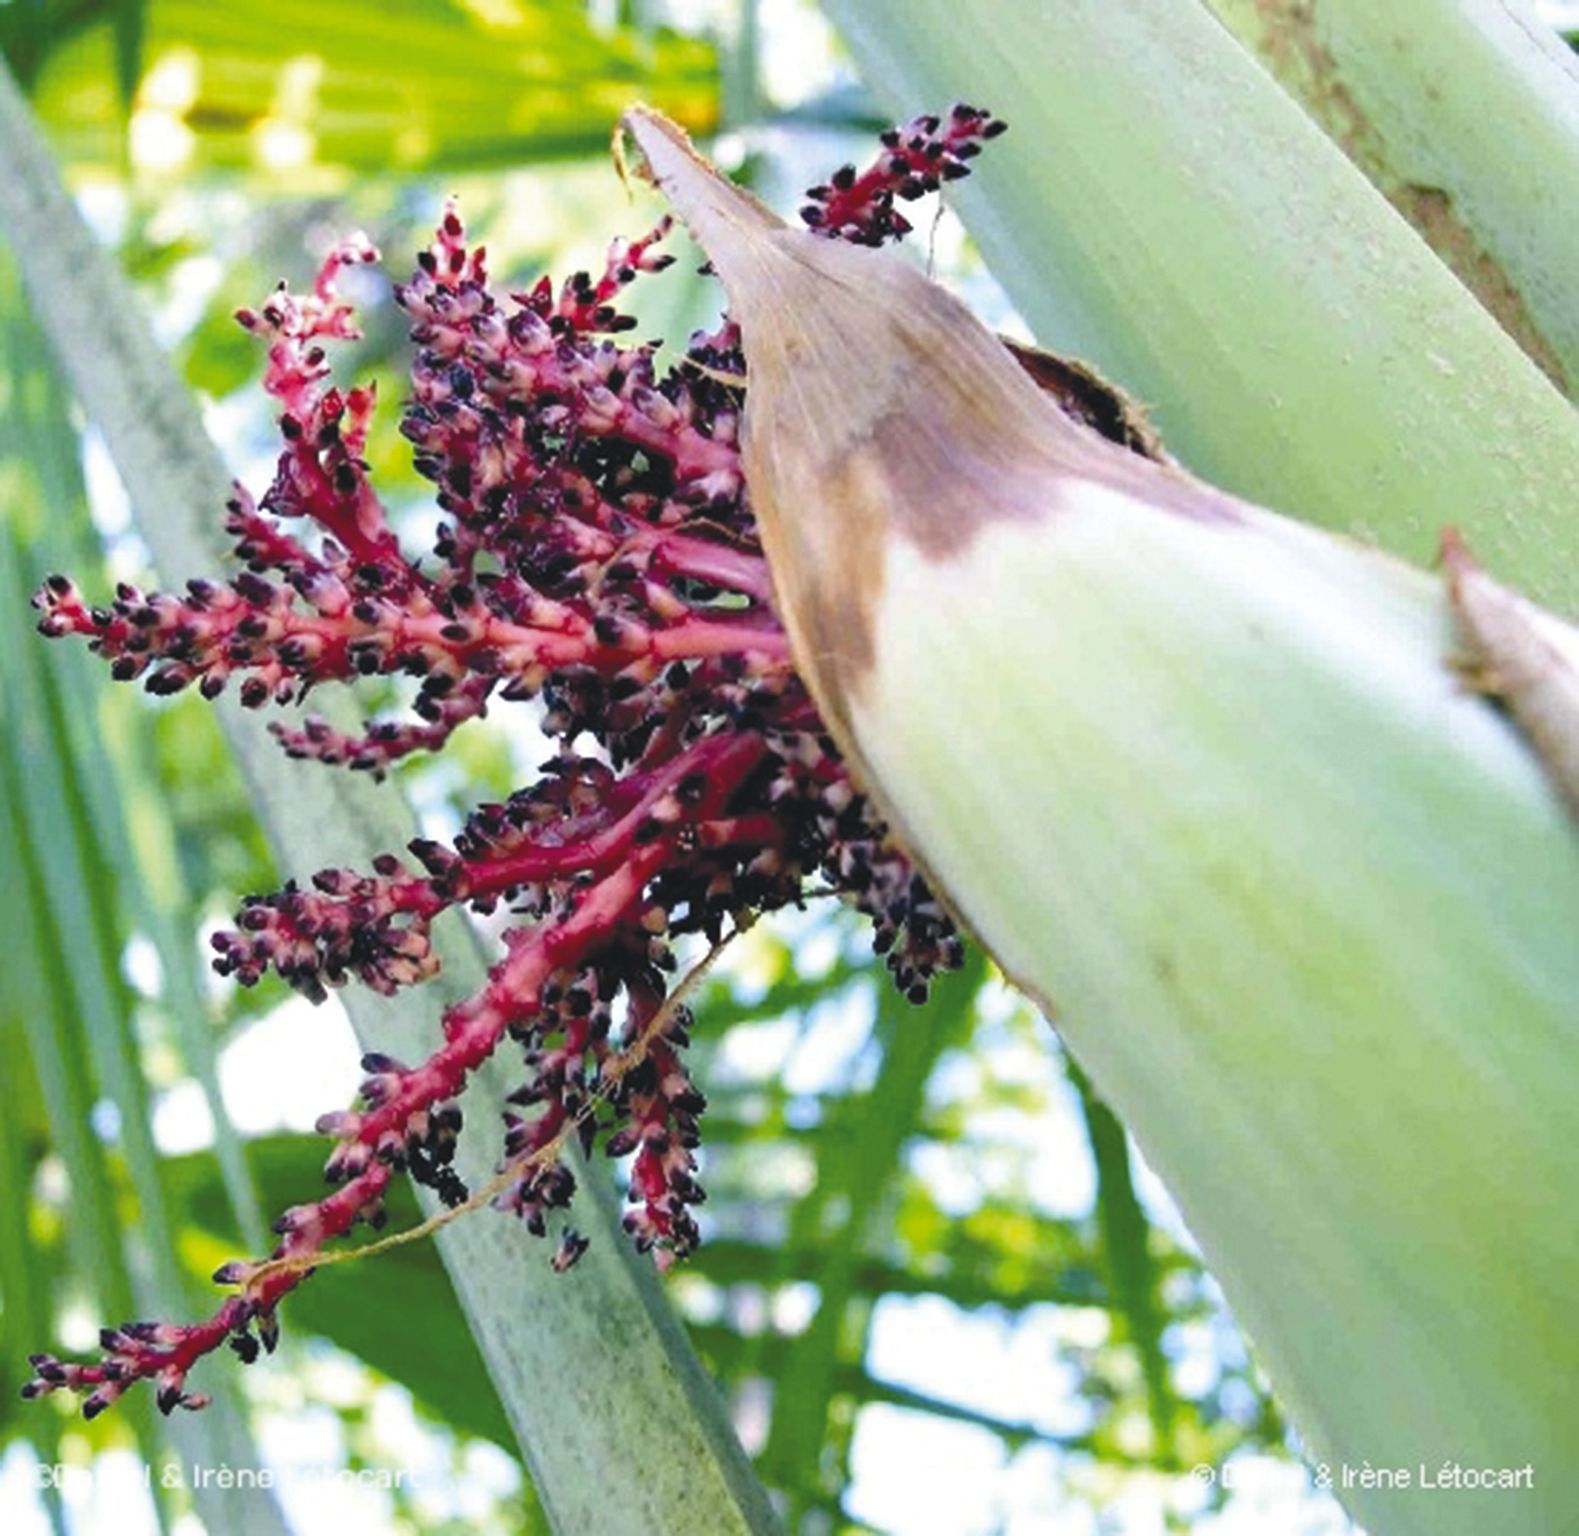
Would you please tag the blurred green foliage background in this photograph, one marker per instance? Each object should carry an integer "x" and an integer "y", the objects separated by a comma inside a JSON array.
[{"x": 938, "y": 1290}]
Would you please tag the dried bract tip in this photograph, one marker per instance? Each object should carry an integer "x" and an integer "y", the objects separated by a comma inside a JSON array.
[{"x": 1524, "y": 655}]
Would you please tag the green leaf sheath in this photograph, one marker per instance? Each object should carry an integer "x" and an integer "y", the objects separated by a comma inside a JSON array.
[
  {"x": 1466, "y": 116},
  {"x": 1161, "y": 208}
]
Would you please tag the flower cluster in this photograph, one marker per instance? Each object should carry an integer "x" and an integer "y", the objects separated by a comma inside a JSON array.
[
  {"x": 919, "y": 157},
  {"x": 597, "y": 557}
]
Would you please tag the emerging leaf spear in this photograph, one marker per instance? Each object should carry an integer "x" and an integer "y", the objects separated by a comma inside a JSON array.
[{"x": 1208, "y": 785}]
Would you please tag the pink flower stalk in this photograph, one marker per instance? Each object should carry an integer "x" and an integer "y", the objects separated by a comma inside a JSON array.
[
  {"x": 918, "y": 158},
  {"x": 598, "y": 556}
]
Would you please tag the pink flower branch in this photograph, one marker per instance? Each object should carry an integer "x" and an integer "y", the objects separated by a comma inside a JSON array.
[
  {"x": 387, "y": 741},
  {"x": 917, "y": 158}
]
